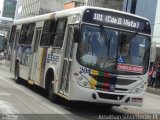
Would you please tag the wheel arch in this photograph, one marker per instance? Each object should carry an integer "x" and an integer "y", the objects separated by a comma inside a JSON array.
[{"x": 49, "y": 76}]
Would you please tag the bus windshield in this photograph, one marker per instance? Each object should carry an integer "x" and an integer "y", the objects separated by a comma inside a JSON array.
[
  {"x": 2, "y": 43},
  {"x": 113, "y": 51}
]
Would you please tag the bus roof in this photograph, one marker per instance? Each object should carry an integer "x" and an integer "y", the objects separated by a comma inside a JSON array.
[
  {"x": 68, "y": 12},
  {"x": 49, "y": 16}
]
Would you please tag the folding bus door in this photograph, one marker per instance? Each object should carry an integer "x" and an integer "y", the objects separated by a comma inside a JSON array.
[
  {"x": 67, "y": 61},
  {"x": 34, "y": 66}
]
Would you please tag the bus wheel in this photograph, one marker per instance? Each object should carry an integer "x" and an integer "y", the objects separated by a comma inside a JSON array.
[
  {"x": 51, "y": 93},
  {"x": 16, "y": 72}
]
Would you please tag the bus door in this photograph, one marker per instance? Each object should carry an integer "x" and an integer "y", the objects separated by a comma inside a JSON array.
[
  {"x": 14, "y": 49},
  {"x": 67, "y": 61},
  {"x": 34, "y": 66}
]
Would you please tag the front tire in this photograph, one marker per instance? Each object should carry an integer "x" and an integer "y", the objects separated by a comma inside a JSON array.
[
  {"x": 51, "y": 92},
  {"x": 16, "y": 72}
]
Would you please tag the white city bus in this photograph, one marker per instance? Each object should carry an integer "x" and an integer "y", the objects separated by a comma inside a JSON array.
[{"x": 84, "y": 54}]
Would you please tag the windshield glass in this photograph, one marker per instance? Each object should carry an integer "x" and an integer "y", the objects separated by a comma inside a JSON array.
[{"x": 113, "y": 51}]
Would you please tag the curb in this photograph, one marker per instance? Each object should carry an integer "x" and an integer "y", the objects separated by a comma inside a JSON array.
[{"x": 153, "y": 90}]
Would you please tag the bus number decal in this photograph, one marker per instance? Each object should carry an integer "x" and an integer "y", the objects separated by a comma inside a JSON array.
[
  {"x": 98, "y": 17},
  {"x": 52, "y": 58},
  {"x": 84, "y": 70}
]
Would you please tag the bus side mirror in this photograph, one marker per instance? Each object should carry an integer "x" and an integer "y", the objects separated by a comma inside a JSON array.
[
  {"x": 153, "y": 52},
  {"x": 76, "y": 35}
]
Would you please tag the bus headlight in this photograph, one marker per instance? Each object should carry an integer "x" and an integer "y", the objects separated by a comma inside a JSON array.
[
  {"x": 138, "y": 89},
  {"x": 83, "y": 82}
]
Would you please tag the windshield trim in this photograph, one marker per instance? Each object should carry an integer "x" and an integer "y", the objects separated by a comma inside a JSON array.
[{"x": 118, "y": 30}]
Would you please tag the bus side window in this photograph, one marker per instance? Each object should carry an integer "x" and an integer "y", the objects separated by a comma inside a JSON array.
[
  {"x": 16, "y": 38},
  {"x": 60, "y": 31},
  {"x": 30, "y": 33},
  {"x": 12, "y": 35},
  {"x": 37, "y": 37},
  {"x": 22, "y": 38},
  {"x": 47, "y": 34}
]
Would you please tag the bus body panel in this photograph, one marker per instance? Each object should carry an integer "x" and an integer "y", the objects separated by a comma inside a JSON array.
[
  {"x": 78, "y": 93},
  {"x": 53, "y": 63},
  {"x": 119, "y": 97}
]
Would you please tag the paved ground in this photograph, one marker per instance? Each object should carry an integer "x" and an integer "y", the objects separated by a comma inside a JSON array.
[{"x": 153, "y": 90}]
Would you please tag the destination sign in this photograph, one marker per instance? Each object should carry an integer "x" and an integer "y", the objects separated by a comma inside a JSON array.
[{"x": 117, "y": 20}]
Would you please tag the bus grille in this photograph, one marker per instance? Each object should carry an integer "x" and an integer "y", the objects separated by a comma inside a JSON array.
[
  {"x": 110, "y": 96},
  {"x": 108, "y": 83},
  {"x": 125, "y": 82},
  {"x": 105, "y": 83}
]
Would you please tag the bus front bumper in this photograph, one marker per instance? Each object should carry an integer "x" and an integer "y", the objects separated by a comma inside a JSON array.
[{"x": 78, "y": 93}]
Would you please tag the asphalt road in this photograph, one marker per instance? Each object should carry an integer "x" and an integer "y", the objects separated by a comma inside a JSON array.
[{"x": 25, "y": 102}]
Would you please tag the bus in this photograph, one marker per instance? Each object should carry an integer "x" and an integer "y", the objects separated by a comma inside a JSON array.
[
  {"x": 2, "y": 46},
  {"x": 87, "y": 54}
]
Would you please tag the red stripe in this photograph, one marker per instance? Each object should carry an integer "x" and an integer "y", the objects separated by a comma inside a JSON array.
[
  {"x": 106, "y": 74},
  {"x": 105, "y": 85}
]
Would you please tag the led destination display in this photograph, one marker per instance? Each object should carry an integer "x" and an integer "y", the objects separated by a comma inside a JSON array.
[{"x": 116, "y": 20}]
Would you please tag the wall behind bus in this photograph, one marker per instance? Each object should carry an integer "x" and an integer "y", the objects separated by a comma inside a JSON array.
[
  {"x": 144, "y": 8},
  {"x": 29, "y": 8},
  {"x": 156, "y": 31},
  {"x": 113, "y": 4},
  {"x": 149, "y": 9}
]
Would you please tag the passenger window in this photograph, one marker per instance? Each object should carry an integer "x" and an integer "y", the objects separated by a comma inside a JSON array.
[
  {"x": 22, "y": 38},
  {"x": 13, "y": 31},
  {"x": 47, "y": 35},
  {"x": 16, "y": 38},
  {"x": 59, "y": 33},
  {"x": 30, "y": 33}
]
